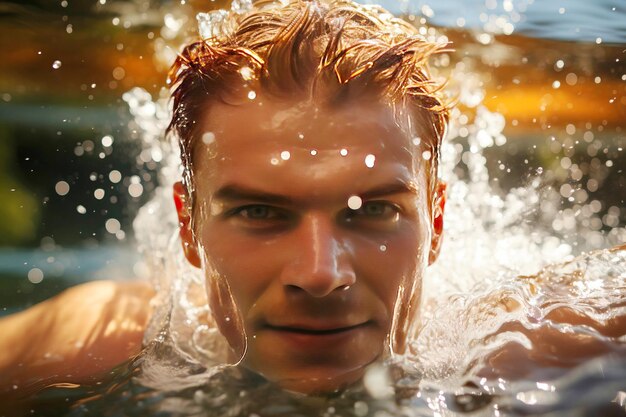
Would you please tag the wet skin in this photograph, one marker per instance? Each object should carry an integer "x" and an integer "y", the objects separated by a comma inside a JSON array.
[{"x": 312, "y": 283}]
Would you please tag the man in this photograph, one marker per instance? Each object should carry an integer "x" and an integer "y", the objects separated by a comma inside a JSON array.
[
  {"x": 309, "y": 201},
  {"x": 310, "y": 137}
]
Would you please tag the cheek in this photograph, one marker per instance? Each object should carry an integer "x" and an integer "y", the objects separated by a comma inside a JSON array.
[
  {"x": 240, "y": 262},
  {"x": 390, "y": 262}
]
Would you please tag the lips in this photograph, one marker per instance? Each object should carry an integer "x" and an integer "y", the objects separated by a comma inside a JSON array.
[
  {"x": 312, "y": 340},
  {"x": 308, "y": 329}
]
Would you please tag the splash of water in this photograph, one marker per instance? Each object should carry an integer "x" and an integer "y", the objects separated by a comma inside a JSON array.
[{"x": 492, "y": 237}]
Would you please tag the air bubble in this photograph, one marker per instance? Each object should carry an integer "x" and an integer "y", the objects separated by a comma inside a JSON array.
[
  {"x": 285, "y": 155},
  {"x": 343, "y": 152},
  {"x": 370, "y": 160},
  {"x": 57, "y": 64},
  {"x": 81, "y": 209},
  {"x": 251, "y": 95}
]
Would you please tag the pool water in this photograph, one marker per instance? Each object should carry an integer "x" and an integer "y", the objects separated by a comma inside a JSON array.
[{"x": 534, "y": 163}]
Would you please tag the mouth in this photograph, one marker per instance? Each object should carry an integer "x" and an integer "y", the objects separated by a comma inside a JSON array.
[{"x": 316, "y": 331}]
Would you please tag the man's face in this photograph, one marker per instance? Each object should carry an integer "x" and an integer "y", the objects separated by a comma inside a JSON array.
[{"x": 313, "y": 227}]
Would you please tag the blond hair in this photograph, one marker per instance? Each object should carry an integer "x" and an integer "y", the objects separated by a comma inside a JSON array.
[{"x": 330, "y": 51}]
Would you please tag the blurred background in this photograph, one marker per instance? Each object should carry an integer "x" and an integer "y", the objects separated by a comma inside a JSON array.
[{"x": 73, "y": 173}]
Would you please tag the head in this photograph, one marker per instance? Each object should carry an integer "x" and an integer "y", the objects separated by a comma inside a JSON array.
[{"x": 310, "y": 136}]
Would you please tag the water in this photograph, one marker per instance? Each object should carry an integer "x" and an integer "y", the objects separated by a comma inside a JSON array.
[{"x": 495, "y": 232}]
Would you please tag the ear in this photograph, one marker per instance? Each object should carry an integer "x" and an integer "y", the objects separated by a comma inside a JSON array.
[
  {"x": 190, "y": 247},
  {"x": 438, "y": 206}
]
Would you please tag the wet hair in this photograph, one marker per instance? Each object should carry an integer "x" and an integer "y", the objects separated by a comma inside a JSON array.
[{"x": 333, "y": 52}]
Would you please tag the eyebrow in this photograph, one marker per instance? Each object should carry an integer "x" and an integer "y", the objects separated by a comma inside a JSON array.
[
  {"x": 398, "y": 187},
  {"x": 235, "y": 192}
]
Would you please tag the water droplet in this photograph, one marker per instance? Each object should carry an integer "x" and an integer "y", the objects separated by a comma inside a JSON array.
[
  {"x": 98, "y": 194},
  {"x": 241, "y": 6},
  {"x": 246, "y": 73},
  {"x": 107, "y": 141},
  {"x": 383, "y": 248},
  {"x": 62, "y": 188},
  {"x": 35, "y": 275},
  {"x": 112, "y": 226},
  {"x": 556, "y": 84},
  {"x": 119, "y": 73},
  {"x": 343, "y": 152},
  {"x": 571, "y": 78},
  {"x": 81, "y": 209},
  {"x": 355, "y": 202},
  {"x": 135, "y": 190},
  {"x": 208, "y": 138},
  {"x": 370, "y": 160},
  {"x": 426, "y": 155},
  {"x": 559, "y": 64},
  {"x": 313, "y": 152},
  {"x": 115, "y": 176},
  {"x": 416, "y": 140},
  {"x": 285, "y": 155},
  {"x": 211, "y": 24},
  {"x": 57, "y": 64},
  {"x": 251, "y": 95}
]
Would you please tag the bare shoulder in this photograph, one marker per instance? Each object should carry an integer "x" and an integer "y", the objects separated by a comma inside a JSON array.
[
  {"x": 567, "y": 335},
  {"x": 76, "y": 336},
  {"x": 619, "y": 247}
]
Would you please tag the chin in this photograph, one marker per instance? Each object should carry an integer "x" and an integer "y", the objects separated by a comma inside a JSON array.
[{"x": 322, "y": 382}]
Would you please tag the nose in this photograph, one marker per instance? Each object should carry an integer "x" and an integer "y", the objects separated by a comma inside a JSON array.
[{"x": 321, "y": 263}]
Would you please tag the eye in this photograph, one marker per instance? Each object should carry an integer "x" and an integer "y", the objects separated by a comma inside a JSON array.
[
  {"x": 374, "y": 212},
  {"x": 256, "y": 212},
  {"x": 259, "y": 216}
]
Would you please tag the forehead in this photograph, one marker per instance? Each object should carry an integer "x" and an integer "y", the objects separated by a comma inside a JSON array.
[{"x": 270, "y": 143}]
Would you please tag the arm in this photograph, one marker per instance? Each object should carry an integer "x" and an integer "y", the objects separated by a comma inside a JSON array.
[{"x": 75, "y": 337}]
